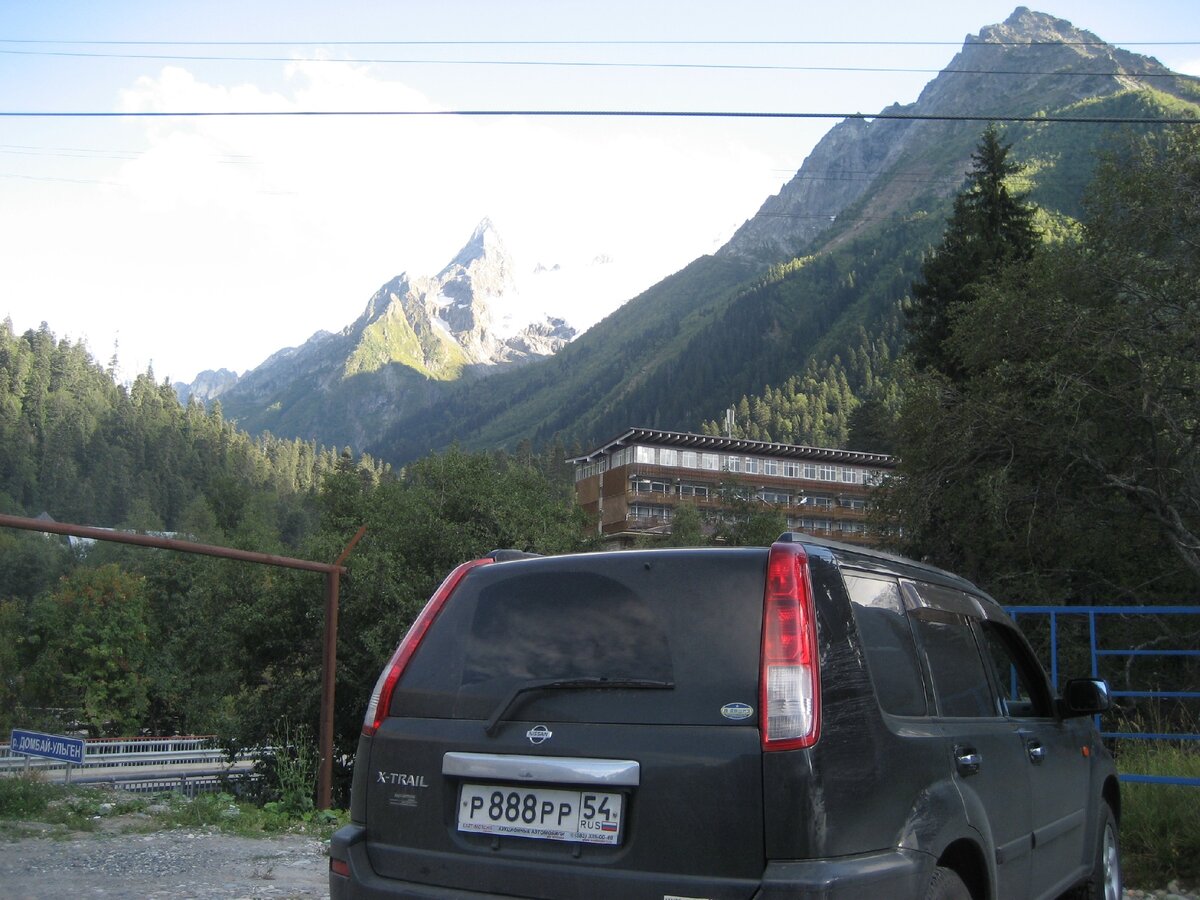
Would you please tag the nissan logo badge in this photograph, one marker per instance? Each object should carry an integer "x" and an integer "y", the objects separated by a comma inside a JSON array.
[{"x": 539, "y": 733}]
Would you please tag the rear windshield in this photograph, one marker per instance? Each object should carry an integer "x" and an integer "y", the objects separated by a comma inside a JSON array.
[{"x": 688, "y": 620}]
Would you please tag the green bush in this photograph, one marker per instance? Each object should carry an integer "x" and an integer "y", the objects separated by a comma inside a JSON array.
[
  {"x": 22, "y": 797},
  {"x": 71, "y": 808},
  {"x": 294, "y": 768}
]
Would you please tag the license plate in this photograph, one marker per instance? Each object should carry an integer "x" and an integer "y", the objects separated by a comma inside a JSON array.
[{"x": 589, "y": 817}]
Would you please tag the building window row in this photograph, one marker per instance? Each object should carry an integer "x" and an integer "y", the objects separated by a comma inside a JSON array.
[
  {"x": 587, "y": 470},
  {"x": 825, "y": 526},
  {"x": 647, "y": 511},
  {"x": 649, "y": 486},
  {"x": 735, "y": 463},
  {"x": 764, "y": 495}
]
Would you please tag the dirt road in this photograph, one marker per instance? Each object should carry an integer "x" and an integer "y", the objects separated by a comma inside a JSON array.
[{"x": 160, "y": 865}]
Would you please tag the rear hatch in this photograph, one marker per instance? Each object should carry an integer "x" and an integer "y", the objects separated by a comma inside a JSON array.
[{"x": 580, "y": 726}]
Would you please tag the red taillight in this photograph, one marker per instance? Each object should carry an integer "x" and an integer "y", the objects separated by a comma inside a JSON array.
[
  {"x": 381, "y": 697},
  {"x": 339, "y": 867},
  {"x": 790, "y": 696}
]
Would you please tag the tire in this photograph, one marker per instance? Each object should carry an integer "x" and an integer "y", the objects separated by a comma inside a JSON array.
[
  {"x": 1105, "y": 882},
  {"x": 946, "y": 885}
]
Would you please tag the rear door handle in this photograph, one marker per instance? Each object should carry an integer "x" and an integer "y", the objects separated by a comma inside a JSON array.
[
  {"x": 967, "y": 760},
  {"x": 1037, "y": 753}
]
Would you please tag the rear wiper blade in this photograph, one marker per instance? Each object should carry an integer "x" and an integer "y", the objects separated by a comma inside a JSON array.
[{"x": 590, "y": 682}]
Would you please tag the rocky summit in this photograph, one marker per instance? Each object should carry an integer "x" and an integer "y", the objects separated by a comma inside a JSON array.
[
  {"x": 466, "y": 315},
  {"x": 1031, "y": 62},
  {"x": 467, "y": 321}
]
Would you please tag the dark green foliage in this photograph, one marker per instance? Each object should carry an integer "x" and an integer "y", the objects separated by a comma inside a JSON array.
[
  {"x": 750, "y": 523},
  {"x": 131, "y": 639},
  {"x": 873, "y": 427},
  {"x": 89, "y": 645},
  {"x": 32, "y": 562},
  {"x": 446, "y": 509},
  {"x": 687, "y": 527},
  {"x": 990, "y": 227},
  {"x": 75, "y": 444},
  {"x": 1064, "y": 464}
]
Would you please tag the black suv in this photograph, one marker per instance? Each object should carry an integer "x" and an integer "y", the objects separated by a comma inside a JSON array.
[{"x": 808, "y": 720}]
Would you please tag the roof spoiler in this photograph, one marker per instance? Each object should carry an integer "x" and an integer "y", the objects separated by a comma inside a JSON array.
[{"x": 510, "y": 555}]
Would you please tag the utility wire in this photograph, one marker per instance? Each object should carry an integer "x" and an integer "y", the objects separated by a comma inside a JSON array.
[
  {"x": 604, "y": 114},
  {"x": 584, "y": 64},
  {"x": 590, "y": 43}
]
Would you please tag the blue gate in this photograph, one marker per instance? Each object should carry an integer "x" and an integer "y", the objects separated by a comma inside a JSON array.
[{"x": 1103, "y": 650}]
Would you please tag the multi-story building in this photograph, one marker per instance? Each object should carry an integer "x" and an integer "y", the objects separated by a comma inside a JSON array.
[{"x": 631, "y": 485}]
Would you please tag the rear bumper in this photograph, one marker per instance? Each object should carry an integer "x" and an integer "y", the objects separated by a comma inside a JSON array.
[
  {"x": 349, "y": 844},
  {"x": 892, "y": 873},
  {"x": 868, "y": 876}
]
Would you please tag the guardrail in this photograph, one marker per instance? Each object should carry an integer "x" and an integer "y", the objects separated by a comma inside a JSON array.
[
  {"x": 1103, "y": 649},
  {"x": 188, "y": 764}
]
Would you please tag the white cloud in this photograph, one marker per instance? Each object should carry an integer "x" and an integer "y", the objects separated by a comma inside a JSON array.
[{"x": 231, "y": 237}]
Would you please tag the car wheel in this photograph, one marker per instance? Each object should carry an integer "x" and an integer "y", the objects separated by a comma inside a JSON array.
[
  {"x": 1105, "y": 882},
  {"x": 946, "y": 885}
]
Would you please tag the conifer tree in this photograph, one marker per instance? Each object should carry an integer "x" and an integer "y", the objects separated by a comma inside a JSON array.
[{"x": 990, "y": 227}]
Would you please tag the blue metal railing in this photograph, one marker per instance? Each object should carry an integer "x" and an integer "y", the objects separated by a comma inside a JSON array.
[{"x": 1097, "y": 652}]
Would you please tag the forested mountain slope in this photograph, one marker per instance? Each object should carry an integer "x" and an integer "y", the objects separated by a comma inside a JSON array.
[
  {"x": 75, "y": 444},
  {"x": 809, "y": 292}
]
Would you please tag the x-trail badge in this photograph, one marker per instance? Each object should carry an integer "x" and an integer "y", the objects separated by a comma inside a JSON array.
[{"x": 539, "y": 733}]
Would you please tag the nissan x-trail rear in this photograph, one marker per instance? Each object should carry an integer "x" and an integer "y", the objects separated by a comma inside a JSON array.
[{"x": 808, "y": 720}]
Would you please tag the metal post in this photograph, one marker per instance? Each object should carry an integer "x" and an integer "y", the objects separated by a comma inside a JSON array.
[
  {"x": 329, "y": 675},
  {"x": 1054, "y": 650},
  {"x": 1092, "y": 643}
]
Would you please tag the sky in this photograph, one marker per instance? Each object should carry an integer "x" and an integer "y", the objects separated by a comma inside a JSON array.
[{"x": 188, "y": 243}]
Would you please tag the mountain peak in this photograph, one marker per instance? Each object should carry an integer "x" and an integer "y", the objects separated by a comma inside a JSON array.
[
  {"x": 1018, "y": 66},
  {"x": 1055, "y": 41},
  {"x": 484, "y": 243},
  {"x": 1029, "y": 21}
]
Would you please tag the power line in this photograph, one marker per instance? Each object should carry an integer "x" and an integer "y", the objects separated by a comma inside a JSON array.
[
  {"x": 584, "y": 64},
  {"x": 605, "y": 114},
  {"x": 52, "y": 178},
  {"x": 588, "y": 43}
]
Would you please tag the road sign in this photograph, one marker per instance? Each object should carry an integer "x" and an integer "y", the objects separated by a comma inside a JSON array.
[{"x": 48, "y": 746}]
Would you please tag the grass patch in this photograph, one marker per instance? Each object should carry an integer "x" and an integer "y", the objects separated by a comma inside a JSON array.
[
  {"x": 28, "y": 806},
  {"x": 1160, "y": 823}
]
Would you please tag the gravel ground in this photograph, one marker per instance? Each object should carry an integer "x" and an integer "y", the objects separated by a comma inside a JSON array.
[
  {"x": 161, "y": 865},
  {"x": 200, "y": 864}
]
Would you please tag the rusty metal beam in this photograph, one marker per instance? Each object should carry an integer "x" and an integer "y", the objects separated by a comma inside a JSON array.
[
  {"x": 149, "y": 540},
  {"x": 332, "y": 571}
]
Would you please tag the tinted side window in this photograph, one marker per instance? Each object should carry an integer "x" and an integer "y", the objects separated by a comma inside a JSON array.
[
  {"x": 960, "y": 680},
  {"x": 888, "y": 645},
  {"x": 1023, "y": 689}
]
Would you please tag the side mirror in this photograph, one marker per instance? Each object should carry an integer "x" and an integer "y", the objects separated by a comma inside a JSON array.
[{"x": 1085, "y": 697}]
